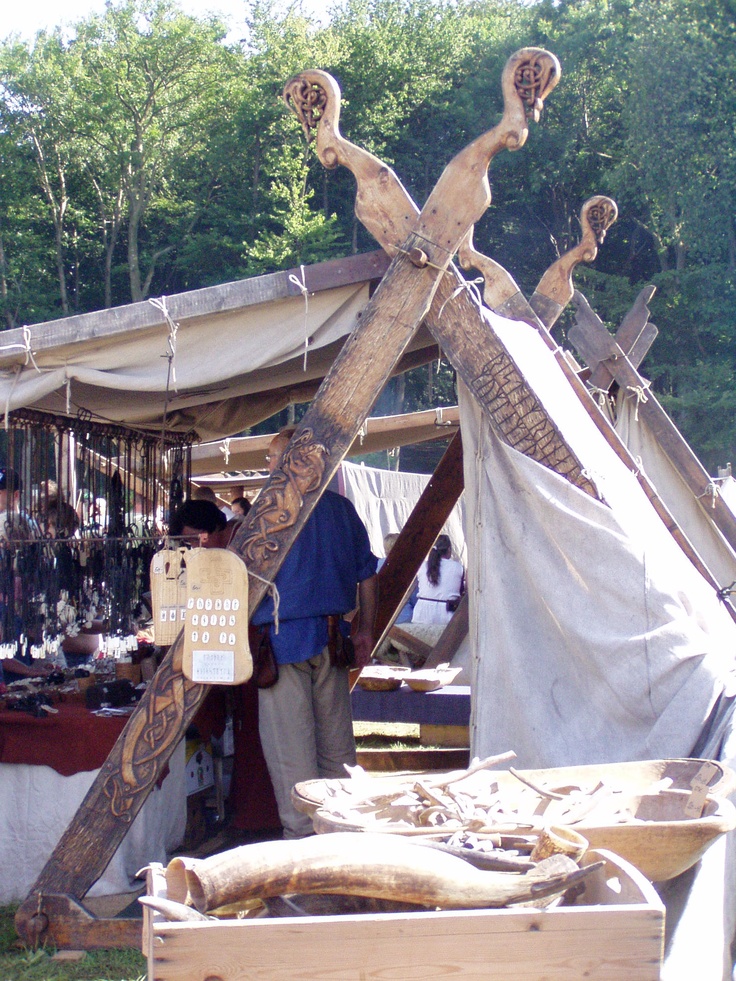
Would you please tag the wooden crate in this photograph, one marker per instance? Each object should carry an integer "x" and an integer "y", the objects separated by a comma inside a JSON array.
[{"x": 619, "y": 933}]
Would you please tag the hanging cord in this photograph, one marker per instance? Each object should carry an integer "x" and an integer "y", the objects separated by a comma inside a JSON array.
[
  {"x": 711, "y": 491},
  {"x": 171, "y": 358},
  {"x": 640, "y": 392},
  {"x": 16, "y": 376},
  {"x": 171, "y": 341},
  {"x": 301, "y": 285},
  {"x": 601, "y": 396},
  {"x": 274, "y": 594},
  {"x": 225, "y": 450},
  {"x": 472, "y": 287}
]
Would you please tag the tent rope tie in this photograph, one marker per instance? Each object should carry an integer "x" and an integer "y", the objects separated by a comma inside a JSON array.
[
  {"x": 640, "y": 391},
  {"x": 594, "y": 476},
  {"x": 711, "y": 491},
  {"x": 26, "y": 347},
  {"x": 301, "y": 285},
  {"x": 225, "y": 450},
  {"x": 725, "y": 591},
  {"x": 363, "y": 431},
  {"x": 469, "y": 285},
  {"x": 170, "y": 341},
  {"x": 273, "y": 591},
  {"x": 601, "y": 396}
]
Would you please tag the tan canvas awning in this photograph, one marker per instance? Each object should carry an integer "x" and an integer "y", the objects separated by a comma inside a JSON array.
[{"x": 212, "y": 361}]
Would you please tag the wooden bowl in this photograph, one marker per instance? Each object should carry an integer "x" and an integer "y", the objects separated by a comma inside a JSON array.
[
  {"x": 660, "y": 840},
  {"x": 667, "y": 842},
  {"x": 430, "y": 679},
  {"x": 377, "y": 678}
]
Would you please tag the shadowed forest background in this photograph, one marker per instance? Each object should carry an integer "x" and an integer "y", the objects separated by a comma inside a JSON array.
[{"x": 143, "y": 155}]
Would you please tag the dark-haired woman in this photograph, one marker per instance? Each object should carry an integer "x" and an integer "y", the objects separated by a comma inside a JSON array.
[{"x": 441, "y": 584}]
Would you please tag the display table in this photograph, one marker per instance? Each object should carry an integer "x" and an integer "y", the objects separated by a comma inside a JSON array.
[
  {"x": 448, "y": 706},
  {"x": 47, "y": 766}
]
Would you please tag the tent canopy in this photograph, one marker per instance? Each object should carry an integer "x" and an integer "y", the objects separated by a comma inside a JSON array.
[{"x": 209, "y": 362}]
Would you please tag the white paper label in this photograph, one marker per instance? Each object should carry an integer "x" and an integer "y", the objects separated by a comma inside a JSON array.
[{"x": 213, "y": 667}]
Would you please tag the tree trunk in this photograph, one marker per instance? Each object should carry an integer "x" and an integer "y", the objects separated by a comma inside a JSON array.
[{"x": 9, "y": 320}]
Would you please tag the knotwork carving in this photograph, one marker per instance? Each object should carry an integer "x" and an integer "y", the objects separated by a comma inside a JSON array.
[
  {"x": 534, "y": 78},
  {"x": 280, "y": 501},
  {"x": 602, "y": 213},
  {"x": 596, "y": 217},
  {"x": 307, "y": 100},
  {"x": 150, "y": 734},
  {"x": 519, "y": 419}
]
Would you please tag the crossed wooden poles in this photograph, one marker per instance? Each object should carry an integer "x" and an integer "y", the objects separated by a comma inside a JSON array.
[
  {"x": 425, "y": 249},
  {"x": 421, "y": 283}
]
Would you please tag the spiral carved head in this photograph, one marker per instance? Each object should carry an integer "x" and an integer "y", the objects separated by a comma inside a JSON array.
[
  {"x": 600, "y": 213},
  {"x": 536, "y": 72},
  {"x": 307, "y": 99}
]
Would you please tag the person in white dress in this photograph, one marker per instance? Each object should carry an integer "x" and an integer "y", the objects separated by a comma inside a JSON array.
[{"x": 441, "y": 584}]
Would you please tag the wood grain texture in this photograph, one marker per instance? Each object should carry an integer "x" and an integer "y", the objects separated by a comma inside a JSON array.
[
  {"x": 614, "y": 935},
  {"x": 555, "y": 289},
  {"x": 288, "y": 498}
]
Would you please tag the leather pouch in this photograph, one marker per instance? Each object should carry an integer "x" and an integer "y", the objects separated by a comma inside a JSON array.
[{"x": 265, "y": 666}]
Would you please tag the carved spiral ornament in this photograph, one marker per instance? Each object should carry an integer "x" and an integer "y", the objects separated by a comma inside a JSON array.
[
  {"x": 534, "y": 78},
  {"x": 307, "y": 100},
  {"x": 601, "y": 215}
]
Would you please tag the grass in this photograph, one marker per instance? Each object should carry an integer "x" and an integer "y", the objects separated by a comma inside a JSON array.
[{"x": 18, "y": 963}]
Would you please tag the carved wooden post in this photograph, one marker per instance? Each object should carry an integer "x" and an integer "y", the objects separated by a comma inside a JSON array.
[{"x": 334, "y": 419}]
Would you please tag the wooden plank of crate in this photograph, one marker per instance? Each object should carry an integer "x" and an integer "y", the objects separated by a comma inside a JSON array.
[{"x": 613, "y": 943}]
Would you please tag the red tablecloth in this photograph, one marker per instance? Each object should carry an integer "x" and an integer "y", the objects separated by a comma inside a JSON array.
[{"x": 69, "y": 742}]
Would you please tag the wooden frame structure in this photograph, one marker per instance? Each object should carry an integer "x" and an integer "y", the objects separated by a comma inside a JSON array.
[{"x": 420, "y": 284}]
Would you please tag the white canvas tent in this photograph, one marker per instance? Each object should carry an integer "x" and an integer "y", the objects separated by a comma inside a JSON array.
[{"x": 593, "y": 637}]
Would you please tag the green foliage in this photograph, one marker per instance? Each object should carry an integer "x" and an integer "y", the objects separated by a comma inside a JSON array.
[
  {"x": 23, "y": 964},
  {"x": 297, "y": 235},
  {"x": 146, "y": 155}
]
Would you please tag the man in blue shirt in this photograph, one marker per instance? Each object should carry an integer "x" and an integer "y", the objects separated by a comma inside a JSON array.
[{"x": 305, "y": 719}]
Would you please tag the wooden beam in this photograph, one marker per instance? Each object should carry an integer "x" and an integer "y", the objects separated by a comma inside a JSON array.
[
  {"x": 418, "y": 647},
  {"x": 634, "y": 337},
  {"x": 452, "y": 636},
  {"x": 664, "y": 430},
  {"x": 377, "y": 432},
  {"x": 349, "y": 390},
  {"x": 418, "y": 535},
  {"x": 555, "y": 288}
]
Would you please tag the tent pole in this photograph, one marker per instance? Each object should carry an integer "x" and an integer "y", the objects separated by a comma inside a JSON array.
[{"x": 389, "y": 321}]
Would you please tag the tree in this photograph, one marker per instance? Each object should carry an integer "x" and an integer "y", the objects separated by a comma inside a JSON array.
[{"x": 150, "y": 84}]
